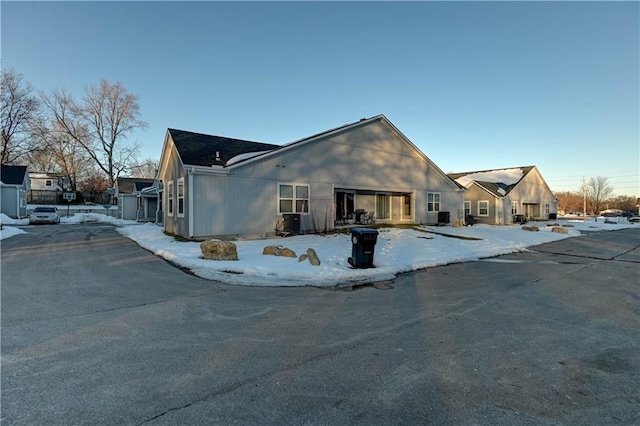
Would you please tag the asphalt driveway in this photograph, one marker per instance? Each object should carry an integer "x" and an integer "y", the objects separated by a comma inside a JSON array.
[{"x": 96, "y": 330}]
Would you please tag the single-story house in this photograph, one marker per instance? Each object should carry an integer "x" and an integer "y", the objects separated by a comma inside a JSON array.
[
  {"x": 44, "y": 188},
  {"x": 134, "y": 203},
  {"x": 503, "y": 196},
  {"x": 14, "y": 184},
  {"x": 221, "y": 187}
]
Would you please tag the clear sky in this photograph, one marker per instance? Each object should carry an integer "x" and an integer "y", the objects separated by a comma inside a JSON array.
[{"x": 475, "y": 85}]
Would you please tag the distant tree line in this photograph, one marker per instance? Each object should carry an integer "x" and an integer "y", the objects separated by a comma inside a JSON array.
[
  {"x": 599, "y": 197},
  {"x": 84, "y": 141}
]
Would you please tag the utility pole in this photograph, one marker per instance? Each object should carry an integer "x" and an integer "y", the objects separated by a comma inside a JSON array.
[{"x": 584, "y": 199}]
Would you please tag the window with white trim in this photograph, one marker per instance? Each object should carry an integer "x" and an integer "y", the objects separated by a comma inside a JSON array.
[
  {"x": 433, "y": 201},
  {"x": 514, "y": 207},
  {"x": 293, "y": 198},
  {"x": 483, "y": 208},
  {"x": 467, "y": 208},
  {"x": 48, "y": 182},
  {"x": 170, "y": 198},
  {"x": 180, "y": 192},
  {"x": 547, "y": 208}
]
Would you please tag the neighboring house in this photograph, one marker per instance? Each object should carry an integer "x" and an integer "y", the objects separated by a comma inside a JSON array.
[
  {"x": 133, "y": 203},
  {"x": 44, "y": 188},
  {"x": 14, "y": 184},
  {"x": 223, "y": 187},
  {"x": 496, "y": 196}
]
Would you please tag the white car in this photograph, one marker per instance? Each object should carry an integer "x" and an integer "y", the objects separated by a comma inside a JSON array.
[
  {"x": 634, "y": 219},
  {"x": 44, "y": 215}
]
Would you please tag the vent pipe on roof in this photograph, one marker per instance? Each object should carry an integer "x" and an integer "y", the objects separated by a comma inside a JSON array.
[{"x": 217, "y": 155}]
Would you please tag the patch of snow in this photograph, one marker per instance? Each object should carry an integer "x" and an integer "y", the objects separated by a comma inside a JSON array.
[
  {"x": 505, "y": 176},
  {"x": 245, "y": 156},
  {"x": 396, "y": 250}
]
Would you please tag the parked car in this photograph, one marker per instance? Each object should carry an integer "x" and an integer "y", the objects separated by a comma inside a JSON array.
[
  {"x": 44, "y": 215},
  {"x": 634, "y": 219}
]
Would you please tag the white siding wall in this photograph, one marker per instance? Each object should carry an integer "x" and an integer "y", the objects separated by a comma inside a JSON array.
[{"x": 370, "y": 157}]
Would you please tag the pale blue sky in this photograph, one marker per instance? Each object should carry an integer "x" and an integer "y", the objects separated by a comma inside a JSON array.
[{"x": 475, "y": 85}]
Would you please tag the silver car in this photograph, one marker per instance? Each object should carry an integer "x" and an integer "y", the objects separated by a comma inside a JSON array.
[{"x": 44, "y": 215}]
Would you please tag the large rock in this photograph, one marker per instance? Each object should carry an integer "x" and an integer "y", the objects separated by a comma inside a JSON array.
[
  {"x": 530, "y": 228},
  {"x": 559, "y": 230},
  {"x": 219, "y": 250},
  {"x": 279, "y": 251},
  {"x": 311, "y": 255}
]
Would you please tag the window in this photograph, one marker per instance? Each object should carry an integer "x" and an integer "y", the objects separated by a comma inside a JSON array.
[
  {"x": 170, "y": 198},
  {"x": 406, "y": 205},
  {"x": 293, "y": 198},
  {"x": 433, "y": 201},
  {"x": 483, "y": 208},
  {"x": 467, "y": 208},
  {"x": 47, "y": 182},
  {"x": 514, "y": 207},
  {"x": 547, "y": 209},
  {"x": 181, "y": 197}
]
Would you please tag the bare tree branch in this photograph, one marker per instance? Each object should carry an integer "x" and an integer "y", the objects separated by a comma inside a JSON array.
[{"x": 19, "y": 108}]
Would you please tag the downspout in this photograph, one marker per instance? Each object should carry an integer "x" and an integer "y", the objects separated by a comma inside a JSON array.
[{"x": 189, "y": 191}]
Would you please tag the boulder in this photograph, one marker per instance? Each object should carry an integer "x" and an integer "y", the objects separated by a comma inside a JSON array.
[
  {"x": 219, "y": 250},
  {"x": 313, "y": 257},
  {"x": 559, "y": 230},
  {"x": 530, "y": 228},
  {"x": 279, "y": 251}
]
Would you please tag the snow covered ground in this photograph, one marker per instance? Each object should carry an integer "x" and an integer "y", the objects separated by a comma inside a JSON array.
[{"x": 396, "y": 251}]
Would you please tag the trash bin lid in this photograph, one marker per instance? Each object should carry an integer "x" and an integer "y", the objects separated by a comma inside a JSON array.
[{"x": 361, "y": 231}]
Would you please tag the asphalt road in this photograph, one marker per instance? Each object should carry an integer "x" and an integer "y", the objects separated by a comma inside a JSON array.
[{"x": 96, "y": 330}]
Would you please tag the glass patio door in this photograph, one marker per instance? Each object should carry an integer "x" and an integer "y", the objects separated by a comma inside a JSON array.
[{"x": 383, "y": 206}]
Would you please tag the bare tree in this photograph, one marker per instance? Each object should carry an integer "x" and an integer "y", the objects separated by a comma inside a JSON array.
[
  {"x": 56, "y": 153},
  {"x": 569, "y": 201},
  {"x": 100, "y": 124},
  {"x": 147, "y": 168},
  {"x": 19, "y": 107},
  {"x": 599, "y": 190}
]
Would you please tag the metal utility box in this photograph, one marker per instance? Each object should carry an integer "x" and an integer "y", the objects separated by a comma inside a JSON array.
[
  {"x": 292, "y": 223},
  {"x": 444, "y": 217},
  {"x": 363, "y": 246},
  {"x": 519, "y": 218}
]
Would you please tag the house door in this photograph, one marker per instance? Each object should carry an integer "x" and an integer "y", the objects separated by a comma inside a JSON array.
[
  {"x": 383, "y": 206},
  {"x": 345, "y": 204},
  {"x": 406, "y": 206}
]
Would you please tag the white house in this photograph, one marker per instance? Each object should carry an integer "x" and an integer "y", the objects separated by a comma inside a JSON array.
[
  {"x": 502, "y": 196},
  {"x": 218, "y": 186}
]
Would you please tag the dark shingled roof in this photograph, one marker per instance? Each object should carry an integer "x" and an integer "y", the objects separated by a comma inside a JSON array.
[
  {"x": 197, "y": 149},
  {"x": 12, "y": 175},
  {"x": 127, "y": 185}
]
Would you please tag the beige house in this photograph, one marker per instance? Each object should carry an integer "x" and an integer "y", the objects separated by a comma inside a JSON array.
[
  {"x": 217, "y": 186},
  {"x": 504, "y": 196}
]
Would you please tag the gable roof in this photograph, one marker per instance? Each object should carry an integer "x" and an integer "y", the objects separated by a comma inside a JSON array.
[
  {"x": 12, "y": 175},
  {"x": 363, "y": 121},
  {"x": 197, "y": 149},
  {"x": 498, "y": 182},
  {"x": 130, "y": 185}
]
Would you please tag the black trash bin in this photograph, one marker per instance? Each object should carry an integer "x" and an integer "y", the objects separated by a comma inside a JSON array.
[
  {"x": 364, "y": 243},
  {"x": 519, "y": 218},
  {"x": 553, "y": 216}
]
